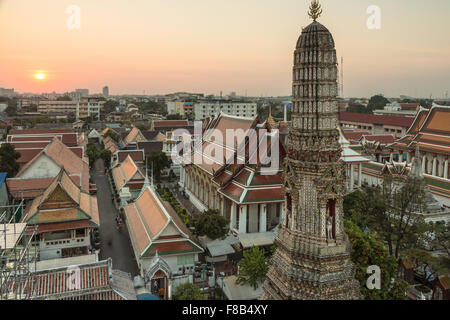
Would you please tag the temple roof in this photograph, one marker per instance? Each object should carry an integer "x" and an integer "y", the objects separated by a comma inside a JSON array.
[
  {"x": 62, "y": 201},
  {"x": 65, "y": 158},
  {"x": 430, "y": 130},
  {"x": 309, "y": 38},
  {"x": 155, "y": 227},
  {"x": 125, "y": 172}
]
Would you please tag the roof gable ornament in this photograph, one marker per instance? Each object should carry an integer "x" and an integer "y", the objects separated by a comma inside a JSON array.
[{"x": 315, "y": 10}]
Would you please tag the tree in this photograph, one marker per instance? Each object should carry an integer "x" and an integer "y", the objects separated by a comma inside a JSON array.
[
  {"x": 111, "y": 134},
  {"x": 8, "y": 159},
  {"x": 441, "y": 236},
  {"x": 110, "y": 106},
  {"x": 253, "y": 267},
  {"x": 92, "y": 153},
  {"x": 11, "y": 111},
  {"x": 158, "y": 161},
  {"x": 64, "y": 98},
  {"x": 211, "y": 224},
  {"x": 390, "y": 209},
  {"x": 368, "y": 251},
  {"x": 174, "y": 117},
  {"x": 377, "y": 102},
  {"x": 105, "y": 155},
  {"x": 188, "y": 291},
  {"x": 357, "y": 108}
]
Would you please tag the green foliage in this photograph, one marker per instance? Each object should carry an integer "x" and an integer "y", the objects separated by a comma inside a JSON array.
[
  {"x": 377, "y": 102},
  {"x": 253, "y": 267},
  {"x": 357, "y": 108},
  {"x": 188, "y": 291},
  {"x": 64, "y": 98},
  {"x": 105, "y": 155},
  {"x": 368, "y": 251},
  {"x": 8, "y": 159},
  {"x": 168, "y": 196},
  {"x": 151, "y": 107},
  {"x": 441, "y": 233},
  {"x": 390, "y": 211},
  {"x": 111, "y": 134},
  {"x": 211, "y": 224},
  {"x": 110, "y": 106},
  {"x": 158, "y": 161},
  {"x": 174, "y": 117},
  {"x": 92, "y": 152},
  {"x": 422, "y": 258}
]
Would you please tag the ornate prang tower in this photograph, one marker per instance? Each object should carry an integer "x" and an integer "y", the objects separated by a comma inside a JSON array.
[{"x": 312, "y": 260}]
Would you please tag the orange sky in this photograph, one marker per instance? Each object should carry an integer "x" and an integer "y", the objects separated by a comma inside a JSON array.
[{"x": 163, "y": 46}]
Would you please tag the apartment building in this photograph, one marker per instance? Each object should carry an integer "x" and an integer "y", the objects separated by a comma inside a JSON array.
[{"x": 207, "y": 109}]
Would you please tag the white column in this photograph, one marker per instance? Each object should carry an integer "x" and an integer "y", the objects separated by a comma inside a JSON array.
[
  {"x": 233, "y": 216},
  {"x": 434, "y": 166},
  {"x": 391, "y": 157},
  {"x": 360, "y": 175},
  {"x": 243, "y": 219},
  {"x": 424, "y": 162},
  {"x": 352, "y": 177},
  {"x": 441, "y": 169},
  {"x": 408, "y": 157},
  {"x": 446, "y": 169},
  {"x": 263, "y": 219}
]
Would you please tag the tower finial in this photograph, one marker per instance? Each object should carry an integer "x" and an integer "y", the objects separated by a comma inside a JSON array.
[{"x": 315, "y": 10}]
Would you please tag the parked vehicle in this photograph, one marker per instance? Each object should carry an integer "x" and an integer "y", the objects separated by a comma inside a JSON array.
[{"x": 92, "y": 188}]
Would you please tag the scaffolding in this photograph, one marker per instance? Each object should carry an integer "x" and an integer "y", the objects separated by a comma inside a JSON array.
[{"x": 18, "y": 254}]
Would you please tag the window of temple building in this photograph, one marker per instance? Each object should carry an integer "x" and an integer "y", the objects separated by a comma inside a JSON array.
[
  {"x": 331, "y": 215},
  {"x": 185, "y": 260}
]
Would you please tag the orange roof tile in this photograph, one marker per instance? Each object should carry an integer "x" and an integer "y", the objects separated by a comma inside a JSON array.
[
  {"x": 66, "y": 159},
  {"x": 81, "y": 200},
  {"x": 146, "y": 219},
  {"x": 125, "y": 172}
]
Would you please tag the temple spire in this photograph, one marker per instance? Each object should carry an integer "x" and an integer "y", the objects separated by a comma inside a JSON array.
[{"x": 315, "y": 10}]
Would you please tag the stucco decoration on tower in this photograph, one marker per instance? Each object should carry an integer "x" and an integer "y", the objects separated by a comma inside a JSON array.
[{"x": 312, "y": 260}]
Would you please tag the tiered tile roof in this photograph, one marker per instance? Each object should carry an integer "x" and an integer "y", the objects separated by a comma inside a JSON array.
[
  {"x": 430, "y": 130},
  {"x": 62, "y": 202},
  {"x": 128, "y": 173},
  {"x": 148, "y": 219},
  {"x": 64, "y": 157},
  {"x": 376, "y": 119},
  {"x": 134, "y": 136},
  {"x": 244, "y": 183},
  {"x": 94, "y": 281}
]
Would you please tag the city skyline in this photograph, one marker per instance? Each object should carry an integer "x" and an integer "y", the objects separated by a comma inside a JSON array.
[{"x": 245, "y": 47}]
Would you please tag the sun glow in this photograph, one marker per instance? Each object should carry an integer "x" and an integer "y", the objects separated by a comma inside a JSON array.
[{"x": 40, "y": 76}]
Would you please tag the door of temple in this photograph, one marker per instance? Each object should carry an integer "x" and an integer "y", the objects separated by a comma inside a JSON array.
[{"x": 160, "y": 285}]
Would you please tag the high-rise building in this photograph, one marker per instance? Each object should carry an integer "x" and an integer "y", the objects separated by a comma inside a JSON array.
[
  {"x": 106, "y": 91},
  {"x": 312, "y": 260}
]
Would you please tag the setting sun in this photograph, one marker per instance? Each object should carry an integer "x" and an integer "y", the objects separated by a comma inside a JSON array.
[{"x": 40, "y": 76}]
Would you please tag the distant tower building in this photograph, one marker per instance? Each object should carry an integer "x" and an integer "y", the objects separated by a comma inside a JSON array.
[
  {"x": 312, "y": 260},
  {"x": 106, "y": 92}
]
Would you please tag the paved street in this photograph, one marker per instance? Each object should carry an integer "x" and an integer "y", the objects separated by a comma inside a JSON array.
[{"x": 114, "y": 244}]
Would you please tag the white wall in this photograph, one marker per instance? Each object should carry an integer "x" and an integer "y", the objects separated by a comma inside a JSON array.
[{"x": 42, "y": 167}]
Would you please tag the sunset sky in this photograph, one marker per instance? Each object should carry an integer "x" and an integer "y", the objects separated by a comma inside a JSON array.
[{"x": 164, "y": 46}]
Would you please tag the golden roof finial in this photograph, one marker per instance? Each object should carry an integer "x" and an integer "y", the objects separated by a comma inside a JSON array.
[{"x": 315, "y": 10}]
